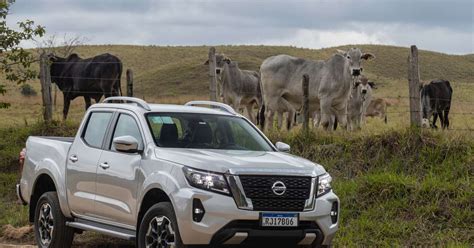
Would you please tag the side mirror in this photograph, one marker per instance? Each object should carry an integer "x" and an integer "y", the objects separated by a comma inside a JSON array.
[
  {"x": 126, "y": 144},
  {"x": 282, "y": 147}
]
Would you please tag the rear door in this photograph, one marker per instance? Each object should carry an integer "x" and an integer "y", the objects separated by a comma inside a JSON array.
[
  {"x": 82, "y": 162},
  {"x": 118, "y": 174}
]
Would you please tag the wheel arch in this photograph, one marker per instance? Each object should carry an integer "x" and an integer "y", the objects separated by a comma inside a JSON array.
[
  {"x": 43, "y": 183},
  {"x": 150, "y": 198}
]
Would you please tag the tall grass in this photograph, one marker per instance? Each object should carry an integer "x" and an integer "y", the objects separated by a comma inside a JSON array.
[{"x": 400, "y": 187}]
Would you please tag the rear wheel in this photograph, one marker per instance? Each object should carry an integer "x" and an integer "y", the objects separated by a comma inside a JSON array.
[
  {"x": 50, "y": 224},
  {"x": 159, "y": 228}
]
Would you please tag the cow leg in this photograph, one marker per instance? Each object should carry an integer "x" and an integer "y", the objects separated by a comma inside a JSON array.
[
  {"x": 341, "y": 116},
  {"x": 446, "y": 119},
  {"x": 435, "y": 118},
  {"x": 88, "y": 101},
  {"x": 249, "y": 108},
  {"x": 316, "y": 119},
  {"x": 291, "y": 119},
  {"x": 279, "y": 120},
  {"x": 327, "y": 117},
  {"x": 441, "y": 118},
  {"x": 67, "y": 102},
  {"x": 269, "y": 119}
]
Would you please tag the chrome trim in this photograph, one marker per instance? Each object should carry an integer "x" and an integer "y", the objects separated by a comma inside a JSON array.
[
  {"x": 221, "y": 106},
  {"x": 139, "y": 102},
  {"x": 309, "y": 204},
  {"x": 238, "y": 193},
  {"x": 272, "y": 172},
  {"x": 237, "y": 239},
  {"x": 308, "y": 239}
]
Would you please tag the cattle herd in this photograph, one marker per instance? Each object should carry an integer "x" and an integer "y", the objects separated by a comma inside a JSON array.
[{"x": 339, "y": 93}]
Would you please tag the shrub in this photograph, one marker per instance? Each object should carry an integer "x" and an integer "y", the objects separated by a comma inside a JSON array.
[{"x": 27, "y": 90}]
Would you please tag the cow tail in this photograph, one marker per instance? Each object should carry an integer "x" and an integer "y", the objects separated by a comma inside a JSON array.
[
  {"x": 261, "y": 116},
  {"x": 261, "y": 112},
  {"x": 119, "y": 80}
]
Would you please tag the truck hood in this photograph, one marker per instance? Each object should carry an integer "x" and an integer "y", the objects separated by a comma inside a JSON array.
[{"x": 241, "y": 162}]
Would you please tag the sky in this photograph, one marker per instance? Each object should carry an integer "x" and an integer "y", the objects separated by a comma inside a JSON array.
[{"x": 442, "y": 26}]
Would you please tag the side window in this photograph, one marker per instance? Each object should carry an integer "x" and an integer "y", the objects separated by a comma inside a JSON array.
[
  {"x": 96, "y": 128},
  {"x": 126, "y": 125}
]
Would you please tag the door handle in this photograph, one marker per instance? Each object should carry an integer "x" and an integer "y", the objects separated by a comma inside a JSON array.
[
  {"x": 73, "y": 158},
  {"x": 104, "y": 165}
]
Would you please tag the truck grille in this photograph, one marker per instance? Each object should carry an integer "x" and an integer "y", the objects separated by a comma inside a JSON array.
[{"x": 259, "y": 190}]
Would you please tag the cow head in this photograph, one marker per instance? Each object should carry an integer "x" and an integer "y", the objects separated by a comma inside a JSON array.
[
  {"x": 364, "y": 86},
  {"x": 355, "y": 57},
  {"x": 221, "y": 59},
  {"x": 56, "y": 68}
]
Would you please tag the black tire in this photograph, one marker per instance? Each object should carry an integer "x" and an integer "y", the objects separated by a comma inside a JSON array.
[
  {"x": 163, "y": 212},
  {"x": 49, "y": 210}
]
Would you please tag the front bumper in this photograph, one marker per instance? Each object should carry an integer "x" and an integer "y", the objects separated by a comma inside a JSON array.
[{"x": 223, "y": 220}]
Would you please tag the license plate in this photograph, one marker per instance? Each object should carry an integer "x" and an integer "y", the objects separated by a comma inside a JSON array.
[{"x": 279, "y": 220}]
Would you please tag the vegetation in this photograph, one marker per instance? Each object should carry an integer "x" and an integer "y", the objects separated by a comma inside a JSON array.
[
  {"x": 27, "y": 90},
  {"x": 398, "y": 186},
  {"x": 14, "y": 60}
]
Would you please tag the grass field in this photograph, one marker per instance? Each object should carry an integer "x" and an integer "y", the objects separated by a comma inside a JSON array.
[{"x": 398, "y": 186}]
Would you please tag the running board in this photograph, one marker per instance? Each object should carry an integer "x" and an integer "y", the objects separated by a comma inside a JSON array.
[{"x": 113, "y": 231}]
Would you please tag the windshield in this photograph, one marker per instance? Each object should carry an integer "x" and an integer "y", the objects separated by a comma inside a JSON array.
[{"x": 190, "y": 130}]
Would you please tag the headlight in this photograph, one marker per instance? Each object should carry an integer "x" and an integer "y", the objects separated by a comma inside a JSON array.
[
  {"x": 324, "y": 184},
  {"x": 206, "y": 180}
]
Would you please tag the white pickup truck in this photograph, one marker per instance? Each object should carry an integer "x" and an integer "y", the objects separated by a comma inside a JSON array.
[{"x": 175, "y": 176}]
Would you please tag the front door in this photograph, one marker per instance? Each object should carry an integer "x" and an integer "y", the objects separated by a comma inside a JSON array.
[
  {"x": 82, "y": 163},
  {"x": 118, "y": 175}
]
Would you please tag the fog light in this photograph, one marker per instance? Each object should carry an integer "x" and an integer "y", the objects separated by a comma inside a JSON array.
[
  {"x": 334, "y": 212},
  {"x": 198, "y": 210}
]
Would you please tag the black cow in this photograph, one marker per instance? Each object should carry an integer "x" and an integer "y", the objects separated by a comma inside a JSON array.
[
  {"x": 90, "y": 78},
  {"x": 436, "y": 102}
]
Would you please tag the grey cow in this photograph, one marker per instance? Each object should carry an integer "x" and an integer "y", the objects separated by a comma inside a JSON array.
[
  {"x": 238, "y": 87},
  {"x": 359, "y": 100},
  {"x": 329, "y": 85}
]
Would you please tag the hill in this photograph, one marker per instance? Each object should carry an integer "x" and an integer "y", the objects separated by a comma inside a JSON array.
[
  {"x": 177, "y": 74},
  {"x": 171, "y": 71}
]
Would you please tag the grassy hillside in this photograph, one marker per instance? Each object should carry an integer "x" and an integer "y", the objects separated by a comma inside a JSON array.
[{"x": 171, "y": 71}]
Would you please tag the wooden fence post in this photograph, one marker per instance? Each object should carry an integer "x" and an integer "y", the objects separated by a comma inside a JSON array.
[
  {"x": 212, "y": 75},
  {"x": 305, "y": 102},
  {"x": 129, "y": 82},
  {"x": 414, "y": 87},
  {"x": 45, "y": 79}
]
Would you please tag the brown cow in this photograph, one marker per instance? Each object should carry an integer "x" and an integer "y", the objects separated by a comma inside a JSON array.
[{"x": 378, "y": 108}]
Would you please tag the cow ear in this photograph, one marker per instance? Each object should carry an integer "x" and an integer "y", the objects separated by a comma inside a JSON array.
[
  {"x": 356, "y": 84},
  {"x": 227, "y": 60},
  {"x": 341, "y": 52},
  {"x": 367, "y": 56},
  {"x": 372, "y": 85},
  {"x": 206, "y": 63}
]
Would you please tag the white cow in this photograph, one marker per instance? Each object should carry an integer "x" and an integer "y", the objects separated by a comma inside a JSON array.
[
  {"x": 330, "y": 82},
  {"x": 359, "y": 100}
]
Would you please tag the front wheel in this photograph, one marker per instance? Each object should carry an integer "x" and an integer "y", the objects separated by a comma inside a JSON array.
[
  {"x": 159, "y": 228},
  {"x": 50, "y": 224}
]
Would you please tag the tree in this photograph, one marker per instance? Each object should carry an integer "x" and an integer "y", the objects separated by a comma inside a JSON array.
[{"x": 15, "y": 62}]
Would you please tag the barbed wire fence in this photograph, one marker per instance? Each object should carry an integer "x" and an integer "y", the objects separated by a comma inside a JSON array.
[{"x": 413, "y": 111}]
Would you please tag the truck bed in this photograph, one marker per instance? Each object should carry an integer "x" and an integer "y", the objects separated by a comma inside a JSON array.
[{"x": 44, "y": 152}]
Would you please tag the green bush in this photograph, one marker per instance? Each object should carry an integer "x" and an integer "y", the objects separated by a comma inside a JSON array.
[{"x": 27, "y": 90}]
